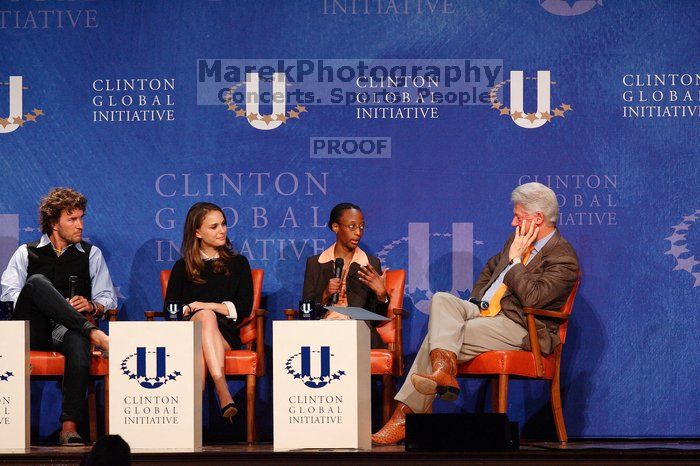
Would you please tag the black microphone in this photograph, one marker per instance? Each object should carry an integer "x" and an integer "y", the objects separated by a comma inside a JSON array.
[
  {"x": 337, "y": 273},
  {"x": 72, "y": 283}
]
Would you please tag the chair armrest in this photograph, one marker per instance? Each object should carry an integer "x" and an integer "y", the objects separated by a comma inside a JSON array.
[
  {"x": 545, "y": 313},
  {"x": 535, "y": 344},
  {"x": 260, "y": 340},
  {"x": 291, "y": 314},
  {"x": 151, "y": 314},
  {"x": 253, "y": 314},
  {"x": 97, "y": 315},
  {"x": 247, "y": 320},
  {"x": 398, "y": 339}
]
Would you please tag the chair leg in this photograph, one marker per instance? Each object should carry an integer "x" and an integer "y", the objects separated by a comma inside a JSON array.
[
  {"x": 502, "y": 393},
  {"x": 387, "y": 396},
  {"x": 556, "y": 408},
  {"x": 494, "y": 395},
  {"x": 106, "y": 385},
  {"x": 250, "y": 408},
  {"x": 92, "y": 410}
]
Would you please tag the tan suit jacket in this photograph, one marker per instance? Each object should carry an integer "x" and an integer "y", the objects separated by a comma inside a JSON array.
[{"x": 544, "y": 283}]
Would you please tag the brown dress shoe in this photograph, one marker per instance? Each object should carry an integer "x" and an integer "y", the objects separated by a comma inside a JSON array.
[
  {"x": 393, "y": 431},
  {"x": 443, "y": 380}
]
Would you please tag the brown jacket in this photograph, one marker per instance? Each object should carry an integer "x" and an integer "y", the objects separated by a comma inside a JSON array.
[{"x": 544, "y": 283}]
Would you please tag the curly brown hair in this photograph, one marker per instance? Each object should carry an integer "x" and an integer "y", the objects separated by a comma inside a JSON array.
[{"x": 55, "y": 202}]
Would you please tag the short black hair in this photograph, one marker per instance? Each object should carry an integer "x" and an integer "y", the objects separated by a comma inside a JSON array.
[{"x": 337, "y": 212}]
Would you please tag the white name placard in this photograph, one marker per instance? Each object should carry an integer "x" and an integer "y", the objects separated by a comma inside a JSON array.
[
  {"x": 155, "y": 392},
  {"x": 14, "y": 386},
  {"x": 321, "y": 388}
]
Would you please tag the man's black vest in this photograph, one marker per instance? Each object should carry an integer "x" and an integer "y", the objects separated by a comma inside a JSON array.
[{"x": 58, "y": 269}]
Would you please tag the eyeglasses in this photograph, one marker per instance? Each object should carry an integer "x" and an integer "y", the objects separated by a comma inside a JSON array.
[{"x": 353, "y": 227}]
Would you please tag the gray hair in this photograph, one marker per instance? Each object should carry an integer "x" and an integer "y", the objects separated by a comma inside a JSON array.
[{"x": 536, "y": 197}]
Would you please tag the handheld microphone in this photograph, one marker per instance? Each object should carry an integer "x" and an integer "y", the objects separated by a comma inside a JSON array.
[
  {"x": 337, "y": 273},
  {"x": 72, "y": 284}
]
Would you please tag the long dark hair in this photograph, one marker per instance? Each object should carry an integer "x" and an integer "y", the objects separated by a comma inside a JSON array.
[
  {"x": 194, "y": 264},
  {"x": 337, "y": 212}
]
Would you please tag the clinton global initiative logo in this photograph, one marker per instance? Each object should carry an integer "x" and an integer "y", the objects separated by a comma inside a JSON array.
[
  {"x": 433, "y": 258},
  {"x": 141, "y": 374},
  {"x": 388, "y": 7},
  {"x": 299, "y": 366},
  {"x": 516, "y": 112},
  {"x": 43, "y": 15},
  {"x": 685, "y": 259},
  {"x": 14, "y": 118},
  {"x": 249, "y": 108},
  {"x": 569, "y": 7},
  {"x": 133, "y": 100}
]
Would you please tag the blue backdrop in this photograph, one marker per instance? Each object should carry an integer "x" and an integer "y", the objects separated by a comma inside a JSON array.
[{"x": 139, "y": 105}]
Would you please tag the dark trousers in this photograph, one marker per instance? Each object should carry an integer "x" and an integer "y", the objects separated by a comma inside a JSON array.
[{"x": 55, "y": 326}]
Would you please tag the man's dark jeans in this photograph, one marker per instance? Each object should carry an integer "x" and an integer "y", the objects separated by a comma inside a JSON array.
[{"x": 54, "y": 325}]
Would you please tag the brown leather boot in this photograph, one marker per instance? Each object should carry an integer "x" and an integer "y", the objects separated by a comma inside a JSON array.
[
  {"x": 393, "y": 431},
  {"x": 443, "y": 380}
]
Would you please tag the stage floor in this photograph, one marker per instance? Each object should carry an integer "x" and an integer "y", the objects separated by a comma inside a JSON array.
[{"x": 575, "y": 452}]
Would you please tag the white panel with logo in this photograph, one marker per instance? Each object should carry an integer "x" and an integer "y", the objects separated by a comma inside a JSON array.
[
  {"x": 321, "y": 390},
  {"x": 155, "y": 393},
  {"x": 14, "y": 386}
]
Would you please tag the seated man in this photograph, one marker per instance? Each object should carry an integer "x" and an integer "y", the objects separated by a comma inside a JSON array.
[
  {"x": 52, "y": 283},
  {"x": 536, "y": 268}
]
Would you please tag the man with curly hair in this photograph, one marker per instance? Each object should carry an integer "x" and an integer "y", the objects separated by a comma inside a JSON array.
[{"x": 54, "y": 283}]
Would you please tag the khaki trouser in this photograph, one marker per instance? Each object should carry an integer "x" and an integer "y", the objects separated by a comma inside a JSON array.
[{"x": 455, "y": 325}]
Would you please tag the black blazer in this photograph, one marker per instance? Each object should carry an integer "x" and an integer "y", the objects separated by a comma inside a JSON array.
[{"x": 317, "y": 276}]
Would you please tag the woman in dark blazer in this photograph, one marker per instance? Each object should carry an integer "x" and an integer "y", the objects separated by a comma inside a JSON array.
[
  {"x": 361, "y": 283},
  {"x": 216, "y": 287}
]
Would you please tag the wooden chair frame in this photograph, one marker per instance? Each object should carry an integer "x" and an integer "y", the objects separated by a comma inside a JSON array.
[
  {"x": 254, "y": 323},
  {"x": 500, "y": 377}
]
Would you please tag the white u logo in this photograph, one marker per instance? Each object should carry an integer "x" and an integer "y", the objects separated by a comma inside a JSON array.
[
  {"x": 516, "y": 98},
  {"x": 15, "y": 104},
  {"x": 252, "y": 99},
  {"x": 419, "y": 235}
]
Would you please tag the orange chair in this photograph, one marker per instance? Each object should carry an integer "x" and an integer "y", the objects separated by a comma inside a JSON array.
[
  {"x": 387, "y": 363},
  {"x": 249, "y": 361},
  {"x": 500, "y": 366},
  {"x": 51, "y": 364}
]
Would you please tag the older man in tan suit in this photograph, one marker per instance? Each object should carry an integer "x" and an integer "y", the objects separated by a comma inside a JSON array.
[{"x": 536, "y": 268}]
